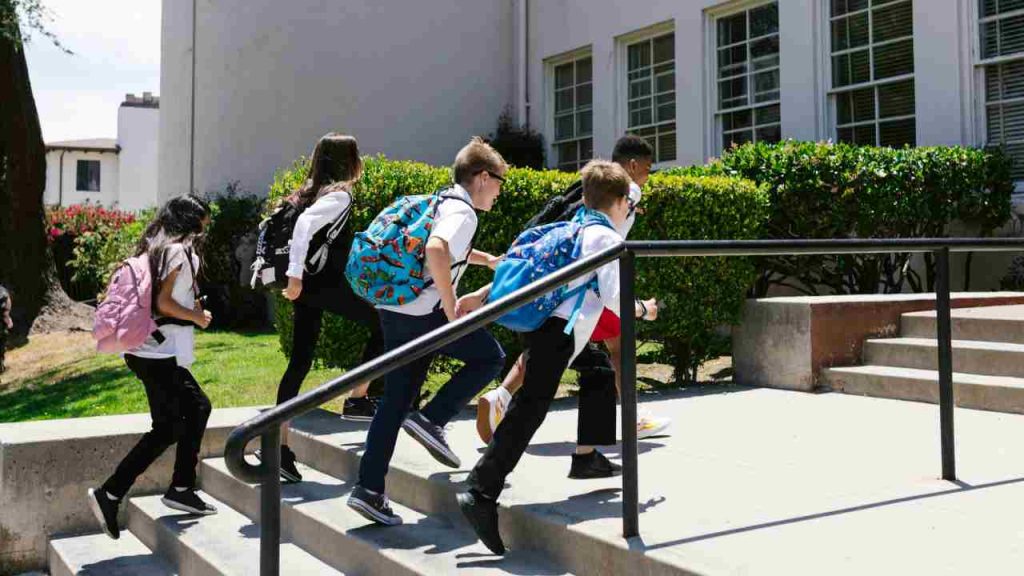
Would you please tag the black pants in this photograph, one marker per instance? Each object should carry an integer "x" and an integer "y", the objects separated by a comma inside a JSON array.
[
  {"x": 179, "y": 409},
  {"x": 547, "y": 351},
  {"x": 309, "y": 312},
  {"x": 597, "y": 397}
]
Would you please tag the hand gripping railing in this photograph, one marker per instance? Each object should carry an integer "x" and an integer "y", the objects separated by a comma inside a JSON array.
[{"x": 267, "y": 424}]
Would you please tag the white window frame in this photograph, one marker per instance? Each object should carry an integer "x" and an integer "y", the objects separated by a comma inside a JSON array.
[
  {"x": 832, "y": 92},
  {"x": 549, "y": 98},
  {"x": 980, "y": 88},
  {"x": 622, "y": 44},
  {"x": 714, "y": 142}
]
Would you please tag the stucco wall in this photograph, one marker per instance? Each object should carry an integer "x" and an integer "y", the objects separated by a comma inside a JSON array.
[
  {"x": 138, "y": 135},
  {"x": 109, "y": 175},
  {"x": 412, "y": 79}
]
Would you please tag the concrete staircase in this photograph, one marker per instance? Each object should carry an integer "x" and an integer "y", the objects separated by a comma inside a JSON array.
[
  {"x": 988, "y": 361},
  {"x": 320, "y": 534}
]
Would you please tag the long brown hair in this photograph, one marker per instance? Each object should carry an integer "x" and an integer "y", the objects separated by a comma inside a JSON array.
[{"x": 335, "y": 159}]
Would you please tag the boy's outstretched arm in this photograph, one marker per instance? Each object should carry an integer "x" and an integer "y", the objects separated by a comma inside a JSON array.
[
  {"x": 481, "y": 258},
  {"x": 472, "y": 301},
  {"x": 438, "y": 261}
]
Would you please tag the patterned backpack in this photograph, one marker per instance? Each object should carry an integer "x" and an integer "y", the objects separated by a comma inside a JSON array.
[
  {"x": 536, "y": 253},
  {"x": 385, "y": 263}
]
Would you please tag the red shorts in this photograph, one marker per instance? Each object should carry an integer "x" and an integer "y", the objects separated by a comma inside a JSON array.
[{"x": 608, "y": 326}]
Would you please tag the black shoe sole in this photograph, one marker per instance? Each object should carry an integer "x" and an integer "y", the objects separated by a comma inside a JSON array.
[
  {"x": 368, "y": 512},
  {"x": 448, "y": 458},
  {"x": 466, "y": 503},
  {"x": 175, "y": 505},
  {"x": 594, "y": 476},
  {"x": 94, "y": 505},
  {"x": 353, "y": 418}
]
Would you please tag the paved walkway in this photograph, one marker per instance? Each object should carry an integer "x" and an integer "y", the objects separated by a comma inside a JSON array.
[{"x": 759, "y": 481}]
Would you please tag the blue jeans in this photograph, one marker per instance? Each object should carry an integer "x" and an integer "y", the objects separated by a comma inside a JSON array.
[{"x": 483, "y": 358}]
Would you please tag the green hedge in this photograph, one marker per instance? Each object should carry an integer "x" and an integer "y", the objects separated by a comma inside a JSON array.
[
  {"x": 700, "y": 294},
  {"x": 825, "y": 190}
]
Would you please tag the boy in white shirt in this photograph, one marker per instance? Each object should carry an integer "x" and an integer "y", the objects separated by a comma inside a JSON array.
[
  {"x": 479, "y": 172},
  {"x": 548, "y": 351}
]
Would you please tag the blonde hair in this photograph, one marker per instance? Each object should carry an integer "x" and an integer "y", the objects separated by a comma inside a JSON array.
[
  {"x": 604, "y": 183},
  {"x": 476, "y": 157}
]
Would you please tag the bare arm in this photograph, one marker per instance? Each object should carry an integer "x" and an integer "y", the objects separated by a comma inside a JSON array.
[
  {"x": 481, "y": 258},
  {"x": 168, "y": 306},
  {"x": 438, "y": 260}
]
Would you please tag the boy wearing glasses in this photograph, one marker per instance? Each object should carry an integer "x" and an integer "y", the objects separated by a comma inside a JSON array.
[{"x": 479, "y": 171}]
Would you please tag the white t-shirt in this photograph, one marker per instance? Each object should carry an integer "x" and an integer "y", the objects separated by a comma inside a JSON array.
[
  {"x": 455, "y": 224},
  {"x": 595, "y": 239},
  {"x": 179, "y": 341},
  {"x": 325, "y": 210}
]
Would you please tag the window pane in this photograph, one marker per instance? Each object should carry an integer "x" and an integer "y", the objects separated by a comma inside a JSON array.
[
  {"x": 665, "y": 48},
  {"x": 849, "y": 69},
  {"x": 1011, "y": 125},
  {"x": 736, "y": 120},
  {"x": 764, "y": 20},
  {"x": 892, "y": 22},
  {"x": 586, "y": 149},
  {"x": 766, "y": 86},
  {"x": 567, "y": 153},
  {"x": 850, "y": 32},
  {"x": 732, "y": 29},
  {"x": 584, "y": 95},
  {"x": 665, "y": 83},
  {"x": 864, "y": 135},
  {"x": 585, "y": 123},
  {"x": 640, "y": 118},
  {"x": 896, "y": 99},
  {"x": 732, "y": 61},
  {"x": 564, "y": 127},
  {"x": 563, "y": 76},
  {"x": 768, "y": 115},
  {"x": 666, "y": 147},
  {"x": 1011, "y": 35},
  {"x": 840, "y": 7},
  {"x": 894, "y": 59},
  {"x": 769, "y": 134},
  {"x": 994, "y": 7},
  {"x": 639, "y": 88},
  {"x": 666, "y": 107},
  {"x": 863, "y": 104},
  {"x": 732, "y": 93},
  {"x": 990, "y": 39},
  {"x": 737, "y": 138},
  {"x": 640, "y": 55},
  {"x": 563, "y": 100},
  {"x": 898, "y": 133},
  {"x": 765, "y": 53},
  {"x": 87, "y": 176},
  {"x": 1005, "y": 81},
  {"x": 583, "y": 70}
]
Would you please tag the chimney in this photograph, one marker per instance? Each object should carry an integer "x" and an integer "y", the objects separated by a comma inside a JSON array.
[{"x": 147, "y": 97}]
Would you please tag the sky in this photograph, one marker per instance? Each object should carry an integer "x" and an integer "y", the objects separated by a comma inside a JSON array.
[{"x": 116, "y": 45}]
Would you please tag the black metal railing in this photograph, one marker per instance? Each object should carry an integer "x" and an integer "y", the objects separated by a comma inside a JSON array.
[{"x": 267, "y": 424}]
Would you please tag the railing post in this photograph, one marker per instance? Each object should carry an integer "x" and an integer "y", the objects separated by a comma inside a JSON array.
[
  {"x": 627, "y": 378},
  {"x": 944, "y": 326},
  {"x": 270, "y": 503}
]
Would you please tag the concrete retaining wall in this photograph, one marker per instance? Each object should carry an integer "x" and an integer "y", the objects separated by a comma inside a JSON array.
[{"x": 46, "y": 468}]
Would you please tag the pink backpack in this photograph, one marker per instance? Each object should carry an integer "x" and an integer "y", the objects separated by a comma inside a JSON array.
[{"x": 125, "y": 317}]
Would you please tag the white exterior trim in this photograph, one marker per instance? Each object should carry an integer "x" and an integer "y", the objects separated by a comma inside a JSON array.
[
  {"x": 621, "y": 72},
  {"x": 548, "y": 103}
]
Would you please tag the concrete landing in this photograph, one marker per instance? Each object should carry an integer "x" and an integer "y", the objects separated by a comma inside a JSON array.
[{"x": 757, "y": 481}]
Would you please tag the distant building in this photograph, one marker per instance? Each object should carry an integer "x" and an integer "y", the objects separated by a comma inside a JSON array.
[{"x": 119, "y": 172}]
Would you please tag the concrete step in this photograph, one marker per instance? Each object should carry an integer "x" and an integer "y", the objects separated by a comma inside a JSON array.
[
  {"x": 418, "y": 482},
  {"x": 315, "y": 516},
  {"x": 994, "y": 393},
  {"x": 989, "y": 324},
  {"x": 222, "y": 544},
  {"x": 969, "y": 356},
  {"x": 98, "y": 555}
]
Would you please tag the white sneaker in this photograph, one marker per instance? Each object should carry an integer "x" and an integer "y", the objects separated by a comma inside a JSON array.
[
  {"x": 647, "y": 426},
  {"x": 491, "y": 408}
]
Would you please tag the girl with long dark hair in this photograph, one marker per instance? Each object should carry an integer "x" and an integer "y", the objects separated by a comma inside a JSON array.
[
  {"x": 325, "y": 198},
  {"x": 177, "y": 404}
]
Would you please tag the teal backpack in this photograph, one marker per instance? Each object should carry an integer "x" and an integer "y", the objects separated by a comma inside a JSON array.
[
  {"x": 385, "y": 264},
  {"x": 539, "y": 252}
]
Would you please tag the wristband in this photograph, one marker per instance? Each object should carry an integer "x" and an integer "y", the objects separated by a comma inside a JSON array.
[{"x": 643, "y": 309}]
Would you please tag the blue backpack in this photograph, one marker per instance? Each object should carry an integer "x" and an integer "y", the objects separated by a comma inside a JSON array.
[
  {"x": 385, "y": 263},
  {"x": 535, "y": 254}
]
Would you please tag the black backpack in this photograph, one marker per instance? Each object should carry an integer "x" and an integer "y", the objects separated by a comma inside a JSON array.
[
  {"x": 274, "y": 241},
  {"x": 560, "y": 208}
]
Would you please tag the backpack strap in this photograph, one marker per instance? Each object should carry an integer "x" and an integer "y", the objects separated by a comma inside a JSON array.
[{"x": 465, "y": 262}]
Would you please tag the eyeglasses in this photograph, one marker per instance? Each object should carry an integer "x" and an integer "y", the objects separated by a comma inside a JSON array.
[{"x": 495, "y": 176}]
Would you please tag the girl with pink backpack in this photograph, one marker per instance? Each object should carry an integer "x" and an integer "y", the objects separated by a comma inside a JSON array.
[{"x": 150, "y": 314}]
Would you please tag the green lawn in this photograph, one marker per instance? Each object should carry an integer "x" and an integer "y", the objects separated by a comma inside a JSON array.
[{"x": 233, "y": 369}]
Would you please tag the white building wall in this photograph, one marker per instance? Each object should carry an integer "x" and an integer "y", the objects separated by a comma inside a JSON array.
[
  {"x": 109, "y": 173},
  {"x": 138, "y": 135},
  {"x": 413, "y": 80}
]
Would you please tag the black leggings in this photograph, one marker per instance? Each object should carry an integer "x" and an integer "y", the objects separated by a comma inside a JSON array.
[{"x": 309, "y": 312}]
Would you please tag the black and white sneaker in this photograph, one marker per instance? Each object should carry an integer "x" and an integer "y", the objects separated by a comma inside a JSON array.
[
  {"x": 289, "y": 471},
  {"x": 105, "y": 510},
  {"x": 482, "y": 514},
  {"x": 359, "y": 409},
  {"x": 432, "y": 437},
  {"x": 187, "y": 501},
  {"x": 373, "y": 506}
]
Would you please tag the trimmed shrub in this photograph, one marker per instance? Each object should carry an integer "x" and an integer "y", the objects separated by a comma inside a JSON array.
[
  {"x": 825, "y": 190},
  {"x": 700, "y": 293}
]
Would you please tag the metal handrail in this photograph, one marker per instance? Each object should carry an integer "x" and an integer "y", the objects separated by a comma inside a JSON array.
[{"x": 267, "y": 424}]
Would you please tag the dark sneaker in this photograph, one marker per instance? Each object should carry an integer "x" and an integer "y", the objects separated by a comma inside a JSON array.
[
  {"x": 289, "y": 471},
  {"x": 187, "y": 501},
  {"x": 359, "y": 409},
  {"x": 105, "y": 511},
  {"x": 372, "y": 506},
  {"x": 593, "y": 465},
  {"x": 432, "y": 437},
  {"x": 482, "y": 514}
]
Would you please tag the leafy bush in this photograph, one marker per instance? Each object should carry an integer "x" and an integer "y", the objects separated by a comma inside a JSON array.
[
  {"x": 825, "y": 190},
  {"x": 519, "y": 145},
  {"x": 85, "y": 224},
  {"x": 700, "y": 294}
]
